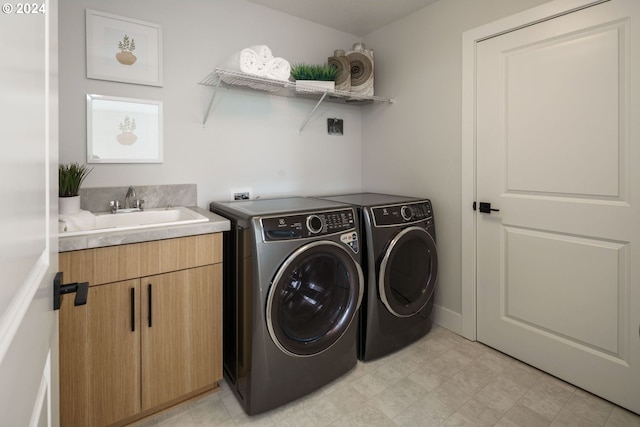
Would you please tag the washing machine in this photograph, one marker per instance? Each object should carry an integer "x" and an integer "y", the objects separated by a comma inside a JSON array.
[
  {"x": 292, "y": 288},
  {"x": 400, "y": 261}
]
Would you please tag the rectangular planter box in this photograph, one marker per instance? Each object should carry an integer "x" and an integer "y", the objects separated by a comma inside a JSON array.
[{"x": 315, "y": 86}]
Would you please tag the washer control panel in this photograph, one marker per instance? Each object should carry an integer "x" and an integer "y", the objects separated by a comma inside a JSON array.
[
  {"x": 300, "y": 226},
  {"x": 386, "y": 216}
]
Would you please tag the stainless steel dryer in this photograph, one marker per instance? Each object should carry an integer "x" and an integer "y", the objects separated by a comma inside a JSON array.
[
  {"x": 293, "y": 286},
  {"x": 400, "y": 261}
]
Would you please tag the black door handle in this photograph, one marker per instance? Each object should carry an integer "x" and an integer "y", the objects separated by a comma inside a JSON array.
[
  {"x": 81, "y": 290},
  {"x": 486, "y": 208}
]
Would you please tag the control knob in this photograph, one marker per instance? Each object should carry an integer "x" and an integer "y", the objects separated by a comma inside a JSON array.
[
  {"x": 314, "y": 224},
  {"x": 407, "y": 213}
]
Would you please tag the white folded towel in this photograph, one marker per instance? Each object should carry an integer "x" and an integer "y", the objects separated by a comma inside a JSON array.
[
  {"x": 246, "y": 61},
  {"x": 259, "y": 61},
  {"x": 263, "y": 52},
  {"x": 278, "y": 69},
  {"x": 79, "y": 221}
]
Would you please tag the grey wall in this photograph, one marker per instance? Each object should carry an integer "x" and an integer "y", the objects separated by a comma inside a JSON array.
[
  {"x": 251, "y": 139},
  {"x": 414, "y": 148}
]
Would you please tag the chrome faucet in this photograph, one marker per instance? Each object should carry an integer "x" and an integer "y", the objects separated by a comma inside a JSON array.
[
  {"x": 131, "y": 202},
  {"x": 130, "y": 197},
  {"x": 115, "y": 206}
]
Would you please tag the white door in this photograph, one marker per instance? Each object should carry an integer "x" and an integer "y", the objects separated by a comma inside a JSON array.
[
  {"x": 558, "y": 153},
  {"x": 28, "y": 190}
]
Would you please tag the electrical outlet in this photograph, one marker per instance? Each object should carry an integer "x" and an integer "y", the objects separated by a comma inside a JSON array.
[
  {"x": 241, "y": 194},
  {"x": 335, "y": 126}
]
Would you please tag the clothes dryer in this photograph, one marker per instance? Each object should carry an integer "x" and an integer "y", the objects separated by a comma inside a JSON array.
[
  {"x": 293, "y": 286},
  {"x": 400, "y": 261}
]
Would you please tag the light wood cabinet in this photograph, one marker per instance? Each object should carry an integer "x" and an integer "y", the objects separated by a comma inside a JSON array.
[
  {"x": 177, "y": 358},
  {"x": 100, "y": 357},
  {"x": 150, "y": 334}
]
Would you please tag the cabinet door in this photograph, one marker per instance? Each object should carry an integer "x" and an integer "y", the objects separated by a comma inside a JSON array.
[
  {"x": 100, "y": 356},
  {"x": 181, "y": 333}
]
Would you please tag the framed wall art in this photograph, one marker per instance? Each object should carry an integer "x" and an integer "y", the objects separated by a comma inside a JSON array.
[
  {"x": 123, "y": 130},
  {"x": 123, "y": 49}
]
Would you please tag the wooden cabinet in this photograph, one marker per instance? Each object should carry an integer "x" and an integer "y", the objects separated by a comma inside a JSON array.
[
  {"x": 150, "y": 334},
  {"x": 100, "y": 357},
  {"x": 176, "y": 357}
]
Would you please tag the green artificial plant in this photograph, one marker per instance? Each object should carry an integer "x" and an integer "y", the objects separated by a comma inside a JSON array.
[
  {"x": 323, "y": 72},
  {"x": 70, "y": 178}
]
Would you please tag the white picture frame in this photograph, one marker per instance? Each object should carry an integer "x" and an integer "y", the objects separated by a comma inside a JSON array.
[
  {"x": 123, "y": 49},
  {"x": 124, "y": 130}
]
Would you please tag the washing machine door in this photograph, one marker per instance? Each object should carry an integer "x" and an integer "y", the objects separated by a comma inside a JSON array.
[
  {"x": 313, "y": 298},
  {"x": 408, "y": 271}
]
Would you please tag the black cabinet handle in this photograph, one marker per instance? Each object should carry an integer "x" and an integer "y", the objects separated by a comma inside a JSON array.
[
  {"x": 149, "y": 291},
  {"x": 133, "y": 310}
]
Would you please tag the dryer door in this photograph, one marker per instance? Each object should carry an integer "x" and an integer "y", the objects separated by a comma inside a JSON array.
[
  {"x": 408, "y": 271},
  {"x": 313, "y": 298}
]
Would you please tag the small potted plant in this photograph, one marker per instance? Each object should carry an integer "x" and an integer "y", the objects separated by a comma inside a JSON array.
[
  {"x": 70, "y": 178},
  {"x": 322, "y": 76}
]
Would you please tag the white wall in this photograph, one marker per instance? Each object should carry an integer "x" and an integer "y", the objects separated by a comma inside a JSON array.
[
  {"x": 411, "y": 147},
  {"x": 414, "y": 148},
  {"x": 251, "y": 139}
]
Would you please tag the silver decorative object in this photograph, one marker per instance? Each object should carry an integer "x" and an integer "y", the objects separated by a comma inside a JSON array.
[
  {"x": 341, "y": 61},
  {"x": 361, "y": 66}
]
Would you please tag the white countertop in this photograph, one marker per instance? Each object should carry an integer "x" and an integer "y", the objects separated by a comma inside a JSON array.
[{"x": 215, "y": 224}]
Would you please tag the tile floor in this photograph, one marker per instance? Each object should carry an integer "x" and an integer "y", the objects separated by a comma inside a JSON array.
[{"x": 441, "y": 380}]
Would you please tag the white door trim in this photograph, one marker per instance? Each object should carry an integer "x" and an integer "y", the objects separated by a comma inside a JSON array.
[
  {"x": 469, "y": 40},
  {"x": 12, "y": 318}
]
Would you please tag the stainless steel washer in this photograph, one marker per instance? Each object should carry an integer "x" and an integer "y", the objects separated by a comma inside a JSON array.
[
  {"x": 400, "y": 260},
  {"x": 293, "y": 286}
]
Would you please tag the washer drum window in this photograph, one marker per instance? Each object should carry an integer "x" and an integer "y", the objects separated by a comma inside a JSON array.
[
  {"x": 408, "y": 272},
  {"x": 313, "y": 298}
]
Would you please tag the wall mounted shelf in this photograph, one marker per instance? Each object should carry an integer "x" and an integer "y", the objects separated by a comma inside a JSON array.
[{"x": 234, "y": 79}]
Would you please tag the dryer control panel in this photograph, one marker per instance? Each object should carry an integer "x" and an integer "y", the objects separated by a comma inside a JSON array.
[
  {"x": 300, "y": 226},
  {"x": 386, "y": 216}
]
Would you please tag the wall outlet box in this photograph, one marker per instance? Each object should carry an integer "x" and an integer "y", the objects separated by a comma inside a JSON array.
[
  {"x": 240, "y": 194},
  {"x": 335, "y": 126}
]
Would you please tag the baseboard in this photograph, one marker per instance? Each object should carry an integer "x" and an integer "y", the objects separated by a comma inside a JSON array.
[{"x": 447, "y": 319}]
